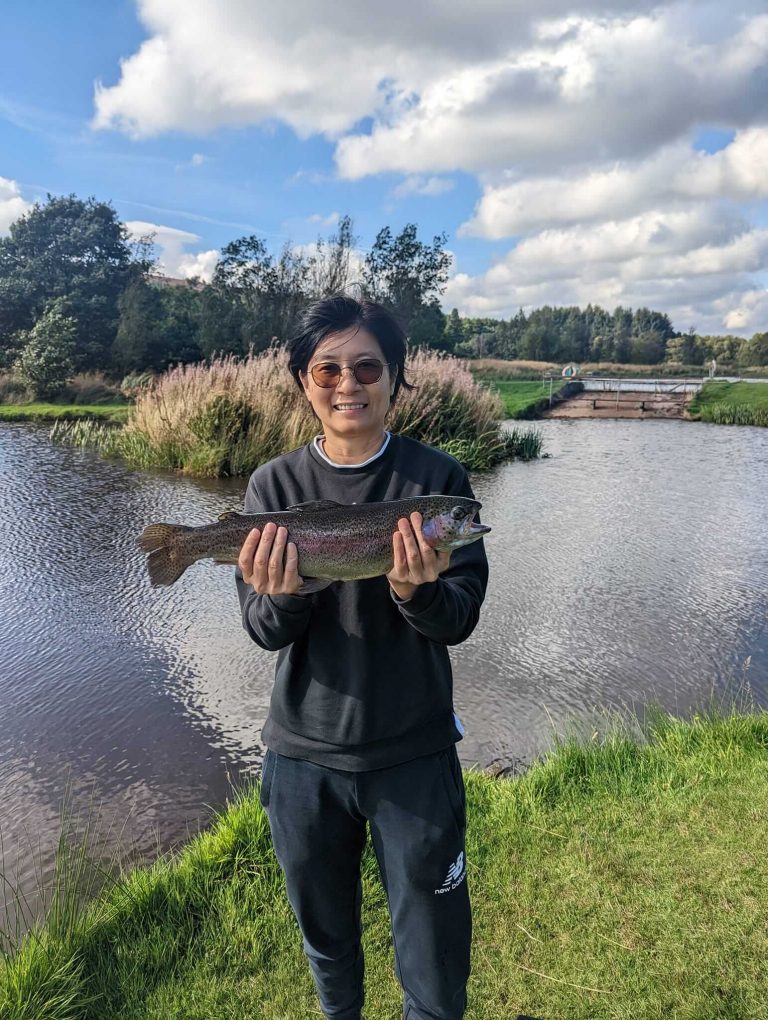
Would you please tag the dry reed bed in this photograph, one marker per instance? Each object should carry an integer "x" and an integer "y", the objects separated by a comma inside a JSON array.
[{"x": 227, "y": 416}]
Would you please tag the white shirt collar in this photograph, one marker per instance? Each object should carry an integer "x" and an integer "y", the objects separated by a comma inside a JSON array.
[{"x": 319, "y": 447}]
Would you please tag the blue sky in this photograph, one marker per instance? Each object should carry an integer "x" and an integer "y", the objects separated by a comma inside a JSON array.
[{"x": 564, "y": 165}]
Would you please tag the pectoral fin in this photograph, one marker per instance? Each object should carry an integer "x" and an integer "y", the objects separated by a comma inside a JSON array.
[{"x": 312, "y": 584}]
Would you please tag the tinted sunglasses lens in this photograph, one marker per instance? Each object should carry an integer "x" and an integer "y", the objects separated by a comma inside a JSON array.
[
  {"x": 327, "y": 374},
  {"x": 367, "y": 372}
]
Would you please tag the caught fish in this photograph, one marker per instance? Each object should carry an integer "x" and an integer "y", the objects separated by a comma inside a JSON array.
[{"x": 334, "y": 542}]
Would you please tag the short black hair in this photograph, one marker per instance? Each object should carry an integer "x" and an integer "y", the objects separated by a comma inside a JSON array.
[{"x": 333, "y": 315}]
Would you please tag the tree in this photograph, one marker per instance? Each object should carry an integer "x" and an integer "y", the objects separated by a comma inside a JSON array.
[
  {"x": 756, "y": 352},
  {"x": 454, "y": 331},
  {"x": 179, "y": 330},
  {"x": 428, "y": 326},
  {"x": 406, "y": 274},
  {"x": 272, "y": 291},
  {"x": 647, "y": 348},
  {"x": 139, "y": 307},
  {"x": 70, "y": 249},
  {"x": 331, "y": 266},
  {"x": 685, "y": 349},
  {"x": 47, "y": 357}
]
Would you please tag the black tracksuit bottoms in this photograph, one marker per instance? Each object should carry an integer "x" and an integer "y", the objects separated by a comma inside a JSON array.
[{"x": 416, "y": 813}]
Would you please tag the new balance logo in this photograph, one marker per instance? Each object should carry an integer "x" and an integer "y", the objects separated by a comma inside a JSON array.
[{"x": 456, "y": 875}]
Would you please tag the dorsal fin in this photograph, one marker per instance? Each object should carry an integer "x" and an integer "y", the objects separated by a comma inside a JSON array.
[
  {"x": 317, "y": 504},
  {"x": 229, "y": 514}
]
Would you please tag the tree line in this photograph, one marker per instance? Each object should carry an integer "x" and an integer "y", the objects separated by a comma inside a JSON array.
[{"x": 78, "y": 294}]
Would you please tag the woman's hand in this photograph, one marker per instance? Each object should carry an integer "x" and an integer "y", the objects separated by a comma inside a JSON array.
[
  {"x": 415, "y": 561},
  {"x": 269, "y": 562}
]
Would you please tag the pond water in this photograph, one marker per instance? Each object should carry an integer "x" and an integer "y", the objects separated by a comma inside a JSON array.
[{"x": 629, "y": 567}]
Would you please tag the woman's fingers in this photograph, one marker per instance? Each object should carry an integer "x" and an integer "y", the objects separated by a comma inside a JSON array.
[
  {"x": 400, "y": 566},
  {"x": 245, "y": 559},
  {"x": 275, "y": 562},
  {"x": 269, "y": 562},
  {"x": 291, "y": 580}
]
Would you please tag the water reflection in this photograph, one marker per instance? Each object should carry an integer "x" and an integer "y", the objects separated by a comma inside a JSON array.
[{"x": 628, "y": 567}]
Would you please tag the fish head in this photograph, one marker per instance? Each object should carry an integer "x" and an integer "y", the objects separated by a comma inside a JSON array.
[{"x": 449, "y": 522}]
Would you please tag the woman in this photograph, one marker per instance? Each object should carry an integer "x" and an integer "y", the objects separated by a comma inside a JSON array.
[{"x": 361, "y": 729}]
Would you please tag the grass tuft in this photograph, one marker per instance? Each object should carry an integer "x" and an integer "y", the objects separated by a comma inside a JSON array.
[{"x": 622, "y": 877}]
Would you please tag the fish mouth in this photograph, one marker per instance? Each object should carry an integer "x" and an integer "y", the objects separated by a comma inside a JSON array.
[{"x": 479, "y": 529}]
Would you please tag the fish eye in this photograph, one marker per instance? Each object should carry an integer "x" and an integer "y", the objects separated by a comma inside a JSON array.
[{"x": 458, "y": 513}]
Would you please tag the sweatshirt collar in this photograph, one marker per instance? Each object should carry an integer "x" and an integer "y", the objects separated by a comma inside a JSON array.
[{"x": 316, "y": 448}]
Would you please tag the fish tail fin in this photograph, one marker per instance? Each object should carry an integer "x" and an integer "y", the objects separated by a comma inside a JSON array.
[
  {"x": 165, "y": 562},
  {"x": 157, "y": 536}
]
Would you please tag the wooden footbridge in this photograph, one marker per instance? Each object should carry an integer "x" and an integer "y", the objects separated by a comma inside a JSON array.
[{"x": 625, "y": 398}]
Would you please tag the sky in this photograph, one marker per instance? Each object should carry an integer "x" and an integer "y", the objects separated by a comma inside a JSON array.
[{"x": 572, "y": 151}]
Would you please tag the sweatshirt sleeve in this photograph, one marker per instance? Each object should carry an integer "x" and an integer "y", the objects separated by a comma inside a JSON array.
[
  {"x": 447, "y": 610},
  {"x": 273, "y": 621}
]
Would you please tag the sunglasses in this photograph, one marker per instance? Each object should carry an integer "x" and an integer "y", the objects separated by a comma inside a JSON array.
[{"x": 328, "y": 373}]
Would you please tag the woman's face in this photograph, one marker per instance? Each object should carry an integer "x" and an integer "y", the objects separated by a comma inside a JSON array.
[{"x": 349, "y": 409}]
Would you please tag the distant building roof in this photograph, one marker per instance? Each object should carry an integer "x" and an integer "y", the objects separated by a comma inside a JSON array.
[{"x": 173, "y": 281}]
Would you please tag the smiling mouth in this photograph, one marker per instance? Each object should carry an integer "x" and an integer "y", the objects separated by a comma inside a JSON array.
[{"x": 349, "y": 407}]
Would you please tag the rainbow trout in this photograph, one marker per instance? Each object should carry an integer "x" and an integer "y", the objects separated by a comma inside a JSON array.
[{"x": 334, "y": 542}]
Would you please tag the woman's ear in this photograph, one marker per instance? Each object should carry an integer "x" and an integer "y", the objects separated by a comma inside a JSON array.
[{"x": 304, "y": 378}]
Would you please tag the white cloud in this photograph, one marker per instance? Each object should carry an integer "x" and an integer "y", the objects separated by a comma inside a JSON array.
[
  {"x": 198, "y": 159},
  {"x": 171, "y": 243},
  {"x": 750, "y": 315},
  {"x": 418, "y": 185},
  {"x": 675, "y": 175},
  {"x": 324, "y": 221},
  {"x": 200, "y": 265},
  {"x": 593, "y": 90},
  {"x": 576, "y": 116},
  {"x": 12, "y": 204},
  {"x": 696, "y": 264}
]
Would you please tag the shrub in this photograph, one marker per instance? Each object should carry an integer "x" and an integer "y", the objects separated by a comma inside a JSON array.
[
  {"x": 48, "y": 356},
  {"x": 92, "y": 388},
  {"x": 12, "y": 389}
]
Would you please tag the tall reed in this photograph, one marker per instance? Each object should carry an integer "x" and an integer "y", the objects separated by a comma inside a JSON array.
[
  {"x": 734, "y": 414},
  {"x": 229, "y": 416}
]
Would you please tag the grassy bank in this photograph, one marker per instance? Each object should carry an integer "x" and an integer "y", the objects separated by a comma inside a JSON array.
[
  {"x": 523, "y": 399},
  {"x": 741, "y": 403},
  {"x": 59, "y": 412},
  {"x": 623, "y": 879}
]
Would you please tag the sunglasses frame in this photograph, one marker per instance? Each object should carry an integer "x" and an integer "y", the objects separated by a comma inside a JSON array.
[{"x": 337, "y": 380}]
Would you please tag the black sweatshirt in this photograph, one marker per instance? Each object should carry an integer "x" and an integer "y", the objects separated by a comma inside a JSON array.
[{"x": 363, "y": 680}]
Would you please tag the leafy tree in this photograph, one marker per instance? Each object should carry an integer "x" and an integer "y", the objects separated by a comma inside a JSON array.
[
  {"x": 428, "y": 326},
  {"x": 272, "y": 291},
  {"x": 71, "y": 249},
  {"x": 685, "y": 349},
  {"x": 405, "y": 273},
  {"x": 140, "y": 311},
  {"x": 540, "y": 337},
  {"x": 647, "y": 348},
  {"x": 179, "y": 331},
  {"x": 224, "y": 323},
  {"x": 47, "y": 357},
  {"x": 453, "y": 333},
  {"x": 756, "y": 352},
  {"x": 331, "y": 267}
]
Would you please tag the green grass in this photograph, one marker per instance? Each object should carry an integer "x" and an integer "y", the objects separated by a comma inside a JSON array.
[
  {"x": 523, "y": 399},
  {"x": 741, "y": 403},
  {"x": 621, "y": 878},
  {"x": 53, "y": 412}
]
